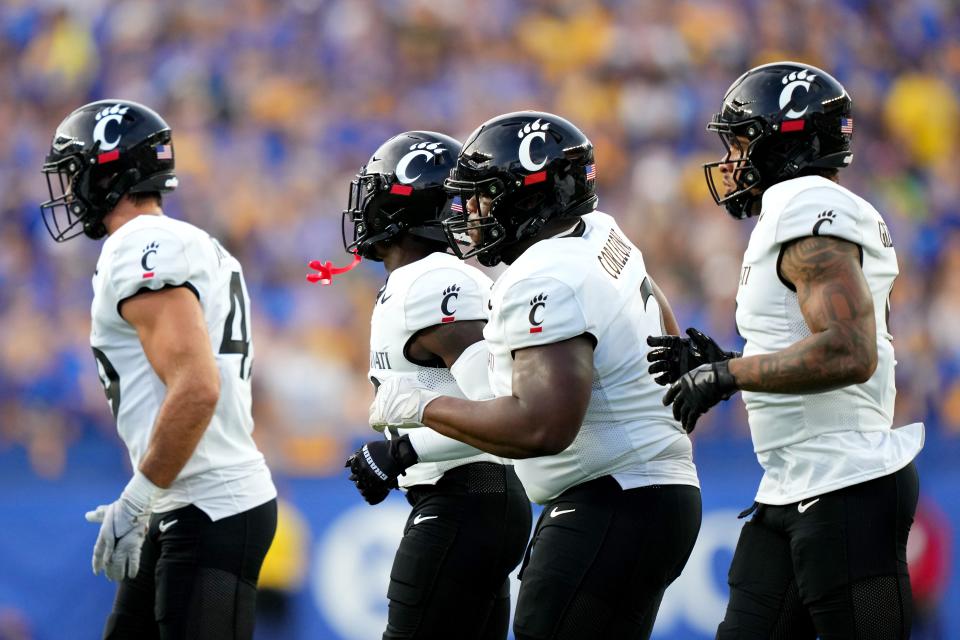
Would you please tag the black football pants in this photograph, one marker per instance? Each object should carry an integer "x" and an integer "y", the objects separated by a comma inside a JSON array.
[
  {"x": 602, "y": 557},
  {"x": 833, "y": 566},
  {"x": 450, "y": 577},
  {"x": 197, "y": 578}
]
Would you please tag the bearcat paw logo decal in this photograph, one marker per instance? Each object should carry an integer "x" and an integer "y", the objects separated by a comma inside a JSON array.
[
  {"x": 117, "y": 109},
  {"x": 824, "y": 217},
  {"x": 531, "y": 131},
  {"x": 424, "y": 150},
  {"x": 450, "y": 295},
  {"x": 537, "y": 304},
  {"x": 532, "y": 126},
  {"x": 104, "y": 118},
  {"x": 435, "y": 147},
  {"x": 148, "y": 251},
  {"x": 793, "y": 81}
]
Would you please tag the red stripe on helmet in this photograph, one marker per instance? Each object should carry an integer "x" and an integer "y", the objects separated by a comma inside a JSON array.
[{"x": 534, "y": 178}]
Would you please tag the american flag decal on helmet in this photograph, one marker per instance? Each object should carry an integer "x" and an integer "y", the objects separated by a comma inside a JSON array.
[
  {"x": 456, "y": 205},
  {"x": 846, "y": 126},
  {"x": 591, "y": 170}
]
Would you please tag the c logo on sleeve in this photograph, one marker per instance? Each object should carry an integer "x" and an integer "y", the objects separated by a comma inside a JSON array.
[
  {"x": 149, "y": 251},
  {"x": 538, "y": 304},
  {"x": 450, "y": 294},
  {"x": 825, "y": 217}
]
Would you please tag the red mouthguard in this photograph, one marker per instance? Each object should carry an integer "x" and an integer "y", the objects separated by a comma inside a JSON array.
[{"x": 326, "y": 270}]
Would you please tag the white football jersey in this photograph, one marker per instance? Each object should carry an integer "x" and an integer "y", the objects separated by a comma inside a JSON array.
[
  {"x": 809, "y": 444},
  {"x": 592, "y": 281},
  {"x": 226, "y": 473},
  {"x": 437, "y": 289}
]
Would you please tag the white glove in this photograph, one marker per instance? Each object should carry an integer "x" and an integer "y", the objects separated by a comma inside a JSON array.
[
  {"x": 400, "y": 403},
  {"x": 123, "y": 528}
]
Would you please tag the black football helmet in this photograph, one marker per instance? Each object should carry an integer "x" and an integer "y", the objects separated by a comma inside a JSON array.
[
  {"x": 400, "y": 190},
  {"x": 533, "y": 167},
  {"x": 792, "y": 118},
  {"x": 101, "y": 152}
]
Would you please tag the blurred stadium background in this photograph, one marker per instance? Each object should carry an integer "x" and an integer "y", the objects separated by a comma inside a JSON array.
[{"x": 274, "y": 105}]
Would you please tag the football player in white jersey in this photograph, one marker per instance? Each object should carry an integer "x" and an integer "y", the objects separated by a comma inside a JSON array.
[
  {"x": 171, "y": 337},
  {"x": 575, "y": 406},
  {"x": 471, "y": 518},
  {"x": 825, "y": 553}
]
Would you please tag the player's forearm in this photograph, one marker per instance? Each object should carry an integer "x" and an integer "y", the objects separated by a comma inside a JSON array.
[
  {"x": 432, "y": 446},
  {"x": 502, "y": 426},
  {"x": 831, "y": 359},
  {"x": 183, "y": 418}
]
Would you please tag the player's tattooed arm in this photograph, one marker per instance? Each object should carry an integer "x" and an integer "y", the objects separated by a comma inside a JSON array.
[{"x": 837, "y": 306}]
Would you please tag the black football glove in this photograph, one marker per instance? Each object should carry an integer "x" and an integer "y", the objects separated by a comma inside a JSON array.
[
  {"x": 674, "y": 356},
  {"x": 698, "y": 390},
  {"x": 375, "y": 466}
]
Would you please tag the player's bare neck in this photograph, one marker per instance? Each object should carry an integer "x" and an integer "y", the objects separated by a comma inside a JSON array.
[
  {"x": 403, "y": 252},
  {"x": 126, "y": 210}
]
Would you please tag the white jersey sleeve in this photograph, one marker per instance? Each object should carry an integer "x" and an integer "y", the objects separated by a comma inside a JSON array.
[
  {"x": 541, "y": 310},
  {"x": 820, "y": 211},
  {"x": 442, "y": 296},
  {"x": 151, "y": 259}
]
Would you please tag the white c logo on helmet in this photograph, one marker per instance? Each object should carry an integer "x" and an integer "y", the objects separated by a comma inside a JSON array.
[
  {"x": 425, "y": 150},
  {"x": 527, "y": 134},
  {"x": 792, "y": 81},
  {"x": 105, "y": 117}
]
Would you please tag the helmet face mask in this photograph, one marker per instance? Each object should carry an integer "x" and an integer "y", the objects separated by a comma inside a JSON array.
[
  {"x": 516, "y": 173},
  {"x": 795, "y": 120},
  {"x": 479, "y": 232},
  {"x": 63, "y": 213},
  {"x": 399, "y": 190},
  {"x": 739, "y": 141},
  {"x": 101, "y": 152}
]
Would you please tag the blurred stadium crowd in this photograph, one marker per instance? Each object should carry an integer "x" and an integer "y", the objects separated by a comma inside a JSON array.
[{"x": 274, "y": 106}]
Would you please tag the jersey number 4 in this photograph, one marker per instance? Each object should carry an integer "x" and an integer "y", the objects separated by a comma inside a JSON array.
[
  {"x": 109, "y": 378},
  {"x": 229, "y": 344}
]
